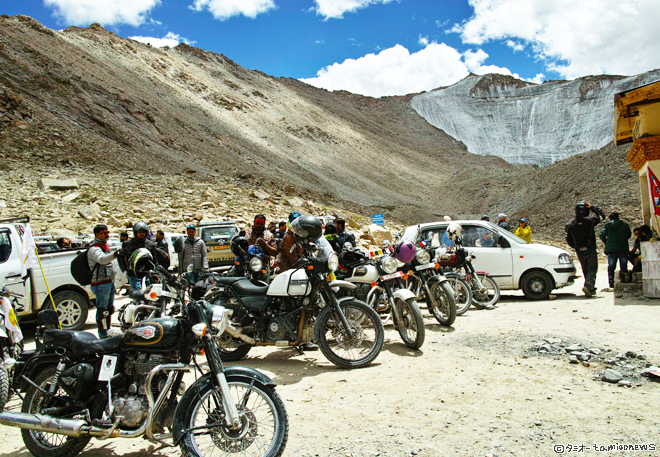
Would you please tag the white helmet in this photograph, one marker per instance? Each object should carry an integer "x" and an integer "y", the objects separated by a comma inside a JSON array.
[{"x": 454, "y": 231}]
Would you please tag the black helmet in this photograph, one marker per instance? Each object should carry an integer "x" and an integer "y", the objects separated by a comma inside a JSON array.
[
  {"x": 239, "y": 245},
  {"x": 307, "y": 228},
  {"x": 485, "y": 217},
  {"x": 581, "y": 209},
  {"x": 330, "y": 229},
  {"x": 140, "y": 262},
  {"x": 139, "y": 227}
]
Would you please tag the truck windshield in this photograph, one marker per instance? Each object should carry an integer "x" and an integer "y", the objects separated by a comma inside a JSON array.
[
  {"x": 213, "y": 234},
  {"x": 5, "y": 246}
]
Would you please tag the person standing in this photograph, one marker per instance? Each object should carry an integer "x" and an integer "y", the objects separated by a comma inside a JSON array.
[
  {"x": 344, "y": 235},
  {"x": 99, "y": 259},
  {"x": 501, "y": 221},
  {"x": 260, "y": 237},
  {"x": 161, "y": 242},
  {"x": 140, "y": 240},
  {"x": 289, "y": 251},
  {"x": 615, "y": 234},
  {"x": 194, "y": 253},
  {"x": 524, "y": 231},
  {"x": 581, "y": 237}
]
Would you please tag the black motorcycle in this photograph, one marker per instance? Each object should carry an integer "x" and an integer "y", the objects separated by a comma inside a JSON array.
[
  {"x": 11, "y": 341},
  {"x": 78, "y": 387}
]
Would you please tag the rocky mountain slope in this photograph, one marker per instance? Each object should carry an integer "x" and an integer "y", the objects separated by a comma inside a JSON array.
[
  {"x": 152, "y": 133},
  {"x": 536, "y": 124}
]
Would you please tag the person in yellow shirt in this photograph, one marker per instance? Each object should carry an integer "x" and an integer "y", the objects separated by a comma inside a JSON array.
[{"x": 524, "y": 231}]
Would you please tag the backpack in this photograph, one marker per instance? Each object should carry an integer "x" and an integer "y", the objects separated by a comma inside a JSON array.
[
  {"x": 163, "y": 258},
  {"x": 80, "y": 268}
]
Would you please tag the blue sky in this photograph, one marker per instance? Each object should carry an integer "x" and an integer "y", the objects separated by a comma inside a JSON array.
[{"x": 386, "y": 47}]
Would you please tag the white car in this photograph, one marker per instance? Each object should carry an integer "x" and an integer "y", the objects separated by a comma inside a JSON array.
[{"x": 537, "y": 269}]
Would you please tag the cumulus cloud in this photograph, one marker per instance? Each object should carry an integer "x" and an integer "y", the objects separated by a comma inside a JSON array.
[
  {"x": 336, "y": 8},
  {"x": 573, "y": 38},
  {"x": 396, "y": 71},
  {"x": 171, "y": 39},
  {"x": 224, "y": 9},
  {"x": 85, "y": 12}
]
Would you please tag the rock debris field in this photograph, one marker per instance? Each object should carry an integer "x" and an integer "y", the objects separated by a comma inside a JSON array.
[{"x": 483, "y": 387}]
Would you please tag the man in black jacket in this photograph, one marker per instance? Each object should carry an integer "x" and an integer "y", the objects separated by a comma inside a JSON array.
[
  {"x": 581, "y": 237},
  {"x": 139, "y": 240},
  {"x": 344, "y": 235}
]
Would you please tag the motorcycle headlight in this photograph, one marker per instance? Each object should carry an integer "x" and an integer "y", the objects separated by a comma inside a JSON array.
[
  {"x": 333, "y": 262},
  {"x": 389, "y": 264},
  {"x": 565, "y": 258},
  {"x": 255, "y": 264},
  {"x": 423, "y": 256}
]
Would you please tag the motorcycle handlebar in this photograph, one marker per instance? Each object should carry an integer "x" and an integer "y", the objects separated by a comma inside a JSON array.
[{"x": 162, "y": 270}]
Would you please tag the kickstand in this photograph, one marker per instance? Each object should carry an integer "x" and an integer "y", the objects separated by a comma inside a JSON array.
[{"x": 300, "y": 350}]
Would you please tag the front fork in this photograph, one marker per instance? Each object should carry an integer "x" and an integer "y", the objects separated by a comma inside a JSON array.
[
  {"x": 472, "y": 272},
  {"x": 332, "y": 301},
  {"x": 396, "y": 315},
  {"x": 215, "y": 364}
]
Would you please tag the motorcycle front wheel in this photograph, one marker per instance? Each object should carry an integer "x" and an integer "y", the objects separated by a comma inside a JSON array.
[
  {"x": 487, "y": 297},
  {"x": 4, "y": 388},
  {"x": 44, "y": 444},
  {"x": 443, "y": 305},
  {"x": 367, "y": 331},
  {"x": 462, "y": 294},
  {"x": 264, "y": 422},
  {"x": 412, "y": 330}
]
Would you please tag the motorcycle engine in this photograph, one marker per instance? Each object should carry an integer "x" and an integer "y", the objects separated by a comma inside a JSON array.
[{"x": 286, "y": 327}]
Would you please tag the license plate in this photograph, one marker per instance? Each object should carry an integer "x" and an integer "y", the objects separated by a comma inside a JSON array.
[
  {"x": 397, "y": 274},
  {"x": 108, "y": 365},
  {"x": 425, "y": 267},
  {"x": 220, "y": 247}
]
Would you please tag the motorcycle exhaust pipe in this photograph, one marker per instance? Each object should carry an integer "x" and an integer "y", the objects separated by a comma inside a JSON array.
[
  {"x": 76, "y": 428},
  {"x": 238, "y": 333}
]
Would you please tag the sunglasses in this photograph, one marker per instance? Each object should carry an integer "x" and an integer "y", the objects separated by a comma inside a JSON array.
[{"x": 104, "y": 232}]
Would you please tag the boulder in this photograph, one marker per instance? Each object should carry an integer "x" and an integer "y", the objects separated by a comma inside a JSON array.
[
  {"x": 378, "y": 234},
  {"x": 3, "y": 204},
  {"x": 90, "y": 212},
  {"x": 612, "y": 376},
  {"x": 71, "y": 197},
  {"x": 261, "y": 195},
  {"x": 58, "y": 184},
  {"x": 295, "y": 201}
]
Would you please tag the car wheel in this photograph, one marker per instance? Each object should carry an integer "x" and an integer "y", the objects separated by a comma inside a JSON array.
[
  {"x": 537, "y": 285},
  {"x": 71, "y": 308}
]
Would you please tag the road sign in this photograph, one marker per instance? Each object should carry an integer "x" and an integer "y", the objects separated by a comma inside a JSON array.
[{"x": 378, "y": 219}]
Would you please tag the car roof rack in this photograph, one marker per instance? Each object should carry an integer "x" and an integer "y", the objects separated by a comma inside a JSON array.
[
  {"x": 206, "y": 224},
  {"x": 16, "y": 220}
]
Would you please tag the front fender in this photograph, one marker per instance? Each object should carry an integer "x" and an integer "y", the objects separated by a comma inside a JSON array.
[
  {"x": 340, "y": 283},
  {"x": 403, "y": 294},
  {"x": 232, "y": 374}
]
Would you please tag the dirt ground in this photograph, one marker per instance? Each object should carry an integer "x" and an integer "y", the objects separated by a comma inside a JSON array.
[{"x": 475, "y": 389}]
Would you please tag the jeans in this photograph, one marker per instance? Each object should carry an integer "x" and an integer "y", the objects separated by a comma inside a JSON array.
[
  {"x": 612, "y": 258},
  {"x": 105, "y": 300},
  {"x": 136, "y": 283},
  {"x": 194, "y": 276},
  {"x": 589, "y": 265}
]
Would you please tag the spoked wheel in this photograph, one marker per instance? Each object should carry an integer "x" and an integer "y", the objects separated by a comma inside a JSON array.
[
  {"x": 486, "y": 297},
  {"x": 44, "y": 444},
  {"x": 412, "y": 331},
  {"x": 462, "y": 294},
  {"x": 230, "y": 348},
  {"x": 366, "y": 341},
  {"x": 4, "y": 388},
  {"x": 264, "y": 423},
  {"x": 443, "y": 305}
]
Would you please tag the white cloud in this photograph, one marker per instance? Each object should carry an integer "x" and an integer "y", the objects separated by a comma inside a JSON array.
[
  {"x": 171, "y": 40},
  {"x": 574, "y": 38},
  {"x": 86, "y": 12},
  {"x": 517, "y": 47},
  {"x": 424, "y": 41},
  {"x": 538, "y": 79},
  {"x": 336, "y": 8},
  {"x": 224, "y": 9},
  {"x": 395, "y": 71}
]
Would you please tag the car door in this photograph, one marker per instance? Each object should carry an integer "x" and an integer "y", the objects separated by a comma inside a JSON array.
[
  {"x": 491, "y": 251},
  {"x": 10, "y": 267}
]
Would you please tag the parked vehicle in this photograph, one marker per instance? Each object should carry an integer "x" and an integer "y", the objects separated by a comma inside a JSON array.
[
  {"x": 11, "y": 341},
  {"x": 71, "y": 299},
  {"x": 217, "y": 237},
  {"x": 298, "y": 307},
  {"x": 78, "y": 387},
  {"x": 457, "y": 263},
  {"x": 514, "y": 264}
]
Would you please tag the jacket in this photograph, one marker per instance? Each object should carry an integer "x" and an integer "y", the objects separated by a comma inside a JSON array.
[
  {"x": 289, "y": 252},
  {"x": 615, "y": 235},
  {"x": 268, "y": 245},
  {"x": 346, "y": 237},
  {"x": 525, "y": 233},
  {"x": 194, "y": 253},
  {"x": 135, "y": 243},
  {"x": 100, "y": 263},
  {"x": 580, "y": 234},
  {"x": 504, "y": 225}
]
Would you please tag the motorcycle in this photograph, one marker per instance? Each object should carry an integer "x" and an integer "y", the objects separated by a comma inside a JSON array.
[
  {"x": 299, "y": 306},
  {"x": 389, "y": 298},
  {"x": 11, "y": 341},
  {"x": 485, "y": 290},
  {"x": 128, "y": 386},
  {"x": 254, "y": 265}
]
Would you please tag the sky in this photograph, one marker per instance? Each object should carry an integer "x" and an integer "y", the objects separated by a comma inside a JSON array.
[{"x": 385, "y": 47}]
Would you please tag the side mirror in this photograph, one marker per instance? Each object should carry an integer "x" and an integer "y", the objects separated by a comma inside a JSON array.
[{"x": 178, "y": 245}]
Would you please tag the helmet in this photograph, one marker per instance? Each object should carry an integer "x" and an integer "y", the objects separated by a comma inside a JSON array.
[
  {"x": 405, "y": 251},
  {"x": 239, "y": 245},
  {"x": 254, "y": 250},
  {"x": 330, "y": 229},
  {"x": 581, "y": 209},
  {"x": 351, "y": 259},
  {"x": 140, "y": 262},
  {"x": 293, "y": 215},
  {"x": 485, "y": 217},
  {"x": 139, "y": 227},
  {"x": 454, "y": 231},
  {"x": 307, "y": 228}
]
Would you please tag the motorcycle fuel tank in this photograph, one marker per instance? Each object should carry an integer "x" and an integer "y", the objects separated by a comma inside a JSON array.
[
  {"x": 364, "y": 274},
  {"x": 291, "y": 282},
  {"x": 162, "y": 334}
]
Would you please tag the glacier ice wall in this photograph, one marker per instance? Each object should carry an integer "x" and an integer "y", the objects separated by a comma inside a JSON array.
[{"x": 535, "y": 124}]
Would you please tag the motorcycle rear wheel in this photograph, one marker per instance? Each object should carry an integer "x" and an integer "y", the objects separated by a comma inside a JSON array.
[
  {"x": 43, "y": 444},
  {"x": 412, "y": 331},
  {"x": 4, "y": 388},
  {"x": 489, "y": 297},
  {"x": 443, "y": 306},
  {"x": 231, "y": 350},
  {"x": 462, "y": 294},
  {"x": 368, "y": 335}
]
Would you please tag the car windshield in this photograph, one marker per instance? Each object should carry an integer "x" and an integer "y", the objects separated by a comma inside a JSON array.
[
  {"x": 411, "y": 233},
  {"x": 212, "y": 234}
]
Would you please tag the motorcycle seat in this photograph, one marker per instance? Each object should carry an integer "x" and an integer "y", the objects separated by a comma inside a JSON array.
[
  {"x": 245, "y": 287},
  {"x": 80, "y": 344},
  {"x": 228, "y": 280}
]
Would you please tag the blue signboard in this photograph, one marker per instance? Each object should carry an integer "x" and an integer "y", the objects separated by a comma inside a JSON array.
[{"x": 378, "y": 219}]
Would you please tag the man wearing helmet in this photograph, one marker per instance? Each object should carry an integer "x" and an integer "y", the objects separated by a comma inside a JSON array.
[
  {"x": 260, "y": 237},
  {"x": 289, "y": 251},
  {"x": 194, "y": 253},
  {"x": 140, "y": 240},
  {"x": 581, "y": 237}
]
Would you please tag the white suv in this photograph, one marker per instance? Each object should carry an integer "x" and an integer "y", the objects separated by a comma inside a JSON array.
[{"x": 537, "y": 269}]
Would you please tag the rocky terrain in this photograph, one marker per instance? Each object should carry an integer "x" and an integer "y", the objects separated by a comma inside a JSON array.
[
  {"x": 168, "y": 135},
  {"x": 536, "y": 124}
]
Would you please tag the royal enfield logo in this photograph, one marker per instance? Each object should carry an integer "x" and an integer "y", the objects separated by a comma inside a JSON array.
[{"x": 146, "y": 333}]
